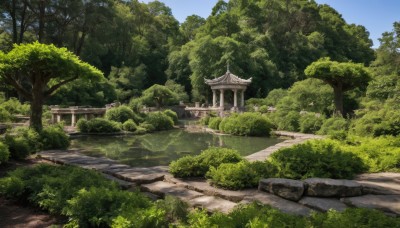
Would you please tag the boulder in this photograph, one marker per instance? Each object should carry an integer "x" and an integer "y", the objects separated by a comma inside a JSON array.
[
  {"x": 324, "y": 187},
  {"x": 285, "y": 188}
]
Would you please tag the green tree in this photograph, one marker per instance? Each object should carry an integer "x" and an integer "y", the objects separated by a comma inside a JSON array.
[
  {"x": 341, "y": 77},
  {"x": 159, "y": 95},
  {"x": 46, "y": 68}
]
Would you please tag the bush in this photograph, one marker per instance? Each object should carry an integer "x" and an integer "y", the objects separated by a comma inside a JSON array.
[
  {"x": 249, "y": 124},
  {"x": 119, "y": 114},
  {"x": 146, "y": 127},
  {"x": 288, "y": 121},
  {"x": 198, "y": 166},
  {"x": 22, "y": 141},
  {"x": 129, "y": 125},
  {"x": 311, "y": 122},
  {"x": 98, "y": 125},
  {"x": 204, "y": 120},
  {"x": 5, "y": 116},
  {"x": 317, "y": 158},
  {"x": 214, "y": 123},
  {"x": 160, "y": 121},
  {"x": 332, "y": 125},
  {"x": 54, "y": 137},
  {"x": 4, "y": 153},
  {"x": 171, "y": 114}
]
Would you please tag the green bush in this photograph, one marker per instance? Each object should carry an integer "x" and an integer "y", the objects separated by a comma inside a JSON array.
[
  {"x": 249, "y": 124},
  {"x": 160, "y": 121},
  {"x": 317, "y": 158},
  {"x": 147, "y": 127},
  {"x": 288, "y": 121},
  {"x": 4, "y": 153},
  {"x": 21, "y": 142},
  {"x": 198, "y": 166},
  {"x": 311, "y": 122},
  {"x": 204, "y": 120},
  {"x": 5, "y": 116},
  {"x": 119, "y": 114},
  {"x": 332, "y": 125},
  {"x": 53, "y": 137},
  {"x": 171, "y": 114},
  {"x": 98, "y": 125},
  {"x": 214, "y": 123},
  {"x": 176, "y": 209},
  {"x": 129, "y": 125}
]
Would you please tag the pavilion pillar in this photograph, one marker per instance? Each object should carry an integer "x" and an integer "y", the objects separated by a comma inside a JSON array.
[
  {"x": 235, "y": 98},
  {"x": 214, "y": 98},
  {"x": 73, "y": 119},
  {"x": 221, "y": 98},
  {"x": 53, "y": 118},
  {"x": 242, "y": 99},
  {"x": 58, "y": 118}
]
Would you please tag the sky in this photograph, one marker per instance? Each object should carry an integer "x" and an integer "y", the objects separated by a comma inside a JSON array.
[{"x": 376, "y": 15}]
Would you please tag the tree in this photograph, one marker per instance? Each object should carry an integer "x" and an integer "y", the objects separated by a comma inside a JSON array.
[
  {"x": 46, "y": 69},
  {"x": 341, "y": 77},
  {"x": 159, "y": 95}
]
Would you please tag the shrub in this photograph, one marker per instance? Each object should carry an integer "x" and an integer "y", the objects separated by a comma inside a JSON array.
[
  {"x": 332, "y": 125},
  {"x": 214, "y": 123},
  {"x": 288, "y": 121},
  {"x": 5, "y": 116},
  {"x": 249, "y": 124},
  {"x": 171, "y": 114},
  {"x": 129, "y": 125},
  {"x": 54, "y": 137},
  {"x": 22, "y": 141},
  {"x": 204, "y": 120},
  {"x": 311, "y": 122},
  {"x": 4, "y": 153},
  {"x": 147, "y": 127},
  {"x": 176, "y": 209},
  {"x": 119, "y": 114},
  {"x": 98, "y": 125},
  {"x": 160, "y": 121},
  {"x": 187, "y": 166},
  {"x": 318, "y": 158}
]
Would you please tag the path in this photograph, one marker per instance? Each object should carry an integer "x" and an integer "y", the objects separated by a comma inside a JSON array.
[{"x": 296, "y": 138}]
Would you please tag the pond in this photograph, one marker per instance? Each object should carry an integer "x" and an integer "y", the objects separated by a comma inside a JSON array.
[{"x": 161, "y": 148}]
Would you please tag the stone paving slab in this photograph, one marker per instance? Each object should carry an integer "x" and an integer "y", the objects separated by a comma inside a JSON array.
[
  {"x": 279, "y": 203},
  {"x": 380, "y": 183},
  {"x": 123, "y": 184},
  {"x": 386, "y": 203},
  {"x": 139, "y": 175},
  {"x": 162, "y": 188},
  {"x": 212, "y": 204},
  {"x": 323, "y": 204}
]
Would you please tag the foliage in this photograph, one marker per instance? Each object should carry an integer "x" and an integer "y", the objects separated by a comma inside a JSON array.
[
  {"x": 119, "y": 114},
  {"x": 22, "y": 141},
  {"x": 171, "y": 114},
  {"x": 332, "y": 125},
  {"x": 146, "y": 127},
  {"x": 176, "y": 209},
  {"x": 288, "y": 121},
  {"x": 54, "y": 137},
  {"x": 249, "y": 124},
  {"x": 4, "y": 153},
  {"x": 160, "y": 121},
  {"x": 318, "y": 158},
  {"x": 129, "y": 125},
  {"x": 214, "y": 123},
  {"x": 159, "y": 95},
  {"x": 128, "y": 81},
  {"x": 178, "y": 89},
  {"x": 311, "y": 122},
  {"x": 98, "y": 125},
  {"x": 197, "y": 166}
]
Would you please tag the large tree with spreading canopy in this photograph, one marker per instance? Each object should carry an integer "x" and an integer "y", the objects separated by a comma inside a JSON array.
[{"x": 37, "y": 70}]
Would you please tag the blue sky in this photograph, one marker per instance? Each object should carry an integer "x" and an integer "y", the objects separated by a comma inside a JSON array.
[{"x": 376, "y": 15}]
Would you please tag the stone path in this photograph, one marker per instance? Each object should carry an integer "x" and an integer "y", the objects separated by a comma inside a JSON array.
[{"x": 296, "y": 138}]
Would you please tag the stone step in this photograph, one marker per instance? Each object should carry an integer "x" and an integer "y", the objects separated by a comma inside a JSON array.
[
  {"x": 212, "y": 204},
  {"x": 386, "y": 203},
  {"x": 123, "y": 184},
  {"x": 162, "y": 189},
  {"x": 323, "y": 204},
  {"x": 139, "y": 175}
]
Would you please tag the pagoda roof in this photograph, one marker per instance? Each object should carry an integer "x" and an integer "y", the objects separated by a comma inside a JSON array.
[{"x": 228, "y": 79}]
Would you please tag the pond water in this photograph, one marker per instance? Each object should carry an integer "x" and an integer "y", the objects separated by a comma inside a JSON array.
[{"x": 161, "y": 148}]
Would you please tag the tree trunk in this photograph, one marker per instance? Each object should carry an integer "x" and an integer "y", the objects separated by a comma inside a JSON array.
[
  {"x": 37, "y": 106},
  {"x": 338, "y": 93},
  {"x": 14, "y": 22},
  {"x": 42, "y": 12}
]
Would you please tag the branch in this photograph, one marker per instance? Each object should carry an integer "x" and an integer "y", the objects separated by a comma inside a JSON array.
[
  {"x": 18, "y": 87},
  {"x": 57, "y": 86}
]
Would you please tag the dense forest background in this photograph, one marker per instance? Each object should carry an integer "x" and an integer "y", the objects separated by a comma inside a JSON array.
[{"x": 137, "y": 45}]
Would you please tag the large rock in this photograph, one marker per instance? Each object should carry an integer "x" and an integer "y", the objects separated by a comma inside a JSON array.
[
  {"x": 324, "y": 187},
  {"x": 285, "y": 188},
  {"x": 323, "y": 204},
  {"x": 386, "y": 203}
]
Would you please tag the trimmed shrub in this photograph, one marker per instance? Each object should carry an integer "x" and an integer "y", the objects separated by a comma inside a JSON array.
[
  {"x": 129, "y": 125},
  {"x": 4, "y": 153},
  {"x": 317, "y": 158},
  {"x": 119, "y": 114},
  {"x": 288, "y": 121},
  {"x": 160, "y": 121},
  {"x": 332, "y": 125},
  {"x": 214, "y": 123},
  {"x": 188, "y": 166},
  {"x": 98, "y": 125},
  {"x": 310, "y": 122},
  {"x": 249, "y": 124},
  {"x": 54, "y": 137},
  {"x": 21, "y": 142},
  {"x": 171, "y": 114},
  {"x": 147, "y": 127}
]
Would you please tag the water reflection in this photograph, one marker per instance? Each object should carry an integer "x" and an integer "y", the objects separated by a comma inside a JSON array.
[{"x": 161, "y": 148}]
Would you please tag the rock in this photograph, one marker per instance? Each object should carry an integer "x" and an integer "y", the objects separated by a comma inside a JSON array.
[
  {"x": 122, "y": 184},
  {"x": 323, "y": 204},
  {"x": 212, "y": 204},
  {"x": 279, "y": 203},
  {"x": 386, "y": 203},
  {"x": 139, "y": 175},
  {"x": 380, "y": 183},
  {"x": 162, "y": 188},
  {"x": 285, "y": 188},
  {"x": 324, "y": 187}
]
